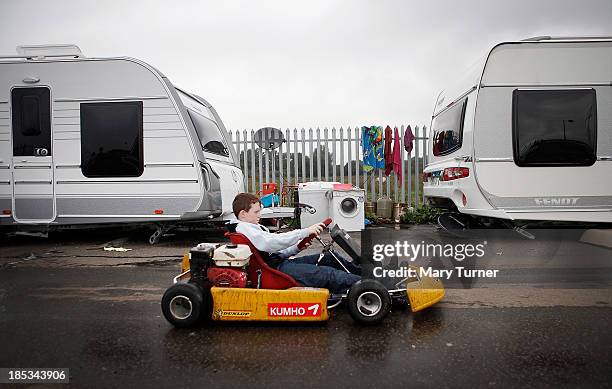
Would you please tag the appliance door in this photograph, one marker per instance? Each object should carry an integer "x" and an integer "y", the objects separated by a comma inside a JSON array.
[{"x": 347, "y": 210}]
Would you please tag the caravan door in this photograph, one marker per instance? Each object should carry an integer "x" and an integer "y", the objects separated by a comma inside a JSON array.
[{"x": 32, "y": 167}]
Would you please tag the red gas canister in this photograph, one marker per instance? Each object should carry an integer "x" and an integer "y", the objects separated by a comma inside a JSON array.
[{"x": 267, "y": 188}]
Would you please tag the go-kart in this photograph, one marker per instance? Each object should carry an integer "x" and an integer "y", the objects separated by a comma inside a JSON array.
[{"x": 232, "y": 282}]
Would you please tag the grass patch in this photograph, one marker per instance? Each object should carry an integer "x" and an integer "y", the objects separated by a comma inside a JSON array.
[{"x": 421, "y": 215}]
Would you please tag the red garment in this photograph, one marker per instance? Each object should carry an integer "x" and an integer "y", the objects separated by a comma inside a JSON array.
[
  {"x": 408, "y": 139},
  {"x": 397, "y": 155},
  {"x": 388, "y": 152}
]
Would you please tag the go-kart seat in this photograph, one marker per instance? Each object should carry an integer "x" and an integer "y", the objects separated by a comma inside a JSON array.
[{"x": 270, "y": 278}]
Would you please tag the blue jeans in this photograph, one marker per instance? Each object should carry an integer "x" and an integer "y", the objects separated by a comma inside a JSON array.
[{"x": 328, "y": 274}]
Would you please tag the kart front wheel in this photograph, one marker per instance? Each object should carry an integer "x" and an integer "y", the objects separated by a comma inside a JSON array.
[
  {"x": 368, "y": 302},
  {"x": 183, "y": 304}
]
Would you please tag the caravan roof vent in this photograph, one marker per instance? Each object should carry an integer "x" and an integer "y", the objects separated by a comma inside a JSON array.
[
  {"x": 537, "y": 38},
  {"x": 44, "y": 51}
]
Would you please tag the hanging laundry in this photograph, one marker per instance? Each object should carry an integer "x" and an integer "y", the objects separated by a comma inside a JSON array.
[
  {"x": 388, "y": 151},
  {"x": 408, "y": 140},
  {"x": 397, "y": 155},
  {"x": 372, "y": 147}
]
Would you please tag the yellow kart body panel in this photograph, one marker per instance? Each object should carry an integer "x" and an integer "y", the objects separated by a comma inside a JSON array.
[
  {"x": 185, "y": 263},
  {"x": 424, "y": 292},
  {"x": 247, "y": 304}
]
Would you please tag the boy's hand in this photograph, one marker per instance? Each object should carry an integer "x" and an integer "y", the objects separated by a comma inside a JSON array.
[{"x": 316, "y": 229}]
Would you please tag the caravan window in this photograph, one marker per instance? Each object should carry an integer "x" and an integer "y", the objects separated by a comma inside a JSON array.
[
  {"x": 554, "y": 127},
  {"x": 111, "y": 139},
  {"x": 210, "y": 136},
  {"x": 447, "y": 129}
]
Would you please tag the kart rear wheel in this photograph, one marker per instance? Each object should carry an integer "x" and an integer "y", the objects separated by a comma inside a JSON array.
[
  {"x": 182, "y": 304},
  {"x": 368, "y": 302}
]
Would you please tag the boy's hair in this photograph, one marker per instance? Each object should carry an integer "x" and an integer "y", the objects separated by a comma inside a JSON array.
[{"x": 243, "y": 202}]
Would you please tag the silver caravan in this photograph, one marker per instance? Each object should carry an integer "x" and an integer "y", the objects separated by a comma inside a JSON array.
[
  {"x": 528, "y": 134},
  {"x": 107, "y": 140}
]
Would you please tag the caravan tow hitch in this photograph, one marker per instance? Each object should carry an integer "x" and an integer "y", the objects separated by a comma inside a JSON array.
[{"x": 159, "y": 232}]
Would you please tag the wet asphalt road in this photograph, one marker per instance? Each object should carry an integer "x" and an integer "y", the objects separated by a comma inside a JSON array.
[{"x": 98, "y": 314}]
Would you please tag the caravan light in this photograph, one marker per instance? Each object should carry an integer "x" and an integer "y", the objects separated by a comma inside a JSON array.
[
  {"x": 453, "y": 173},
  {"x": 159, "y": 211},
  {"x": 6, "y": 211}
]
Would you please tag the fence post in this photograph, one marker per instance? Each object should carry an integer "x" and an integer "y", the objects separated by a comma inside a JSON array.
[
  {"x": 334, "y": 151},
  {"x": 254, "y": 186},
  {"x": 318, "y": 154},
  {"x": 260, "y": 168},
  {"x": 310, "y": 133},
  {"x": 380, "y": 182},
  {"x": 425, "y": 150},
  {"x": 303, "y": 176},
  {"x": 341, "y": 134},
  {"x": 416, "y": 166},
  {"x": 280, "y": 168},
  {"x": 350, "y": 157},
  {"x": 408, "y": 173},
  {"x": 395, "y": 180},
  {"x": 357, "y": 164},
  {"x": 326, "y": 145},
  {"x": 362, "y": 172},
  {"x": 288, "y": 156},
  {"x": 245, "y": 171},
  {"x": 388, "y": 177},
  {"x": 295, "y": 155},
  {"x": 403, "y": 153},
  {"x": 266, "y": 163},
  {"x": 273, "y": 166}
]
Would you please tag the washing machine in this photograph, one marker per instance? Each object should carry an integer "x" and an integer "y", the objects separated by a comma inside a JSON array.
[
  {"x": 347, "y": 208},
  {"x": 317, "y": 195}
]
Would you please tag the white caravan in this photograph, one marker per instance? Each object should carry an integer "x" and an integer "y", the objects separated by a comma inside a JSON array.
[
  {"x": 528, "y": 134},
  {"x": 107, "y": 140}
]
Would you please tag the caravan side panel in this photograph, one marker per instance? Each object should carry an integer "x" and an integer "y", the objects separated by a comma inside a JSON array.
[
  {"x": 171, "y": 182},
  {"x": 545, "y": 189}
]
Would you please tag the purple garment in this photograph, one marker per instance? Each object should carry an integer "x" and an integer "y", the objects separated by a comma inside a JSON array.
[
  {"x": 388, "y": 151},
  {"x": 408, "y": 140},
  {"x": 397, "y": 156}
]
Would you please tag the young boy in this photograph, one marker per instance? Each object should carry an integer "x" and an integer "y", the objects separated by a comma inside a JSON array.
[{"x": 278, "y": 249}]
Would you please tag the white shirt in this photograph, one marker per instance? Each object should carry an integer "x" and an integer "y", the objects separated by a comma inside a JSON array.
[{"x": 284, "y": 243}]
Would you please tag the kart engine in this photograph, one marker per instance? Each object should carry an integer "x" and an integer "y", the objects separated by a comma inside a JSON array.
[
  {"x": 223, "y": 266},
  {"x": 227, "y": 278}
]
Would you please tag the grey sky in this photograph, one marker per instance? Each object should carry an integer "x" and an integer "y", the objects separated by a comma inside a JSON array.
[{"x": 302, "y": 64}]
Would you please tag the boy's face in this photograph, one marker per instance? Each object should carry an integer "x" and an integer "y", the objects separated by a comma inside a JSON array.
[{"x": 252, "y": 216}]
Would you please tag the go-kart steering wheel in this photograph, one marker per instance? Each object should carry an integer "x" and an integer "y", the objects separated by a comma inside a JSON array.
[{"x": 309, "y": 239}]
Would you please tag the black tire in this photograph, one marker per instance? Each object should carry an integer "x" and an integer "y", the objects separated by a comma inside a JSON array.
[
  {"x": 368, "y": 302},
  {"x": 183, "y": 304}
]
